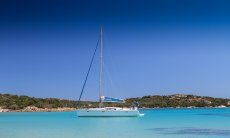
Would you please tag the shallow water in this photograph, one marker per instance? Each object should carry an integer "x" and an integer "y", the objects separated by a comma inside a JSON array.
[{"x": 156, "y": 123}]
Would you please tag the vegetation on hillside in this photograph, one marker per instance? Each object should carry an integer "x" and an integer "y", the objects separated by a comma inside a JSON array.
[
  {"x": 15, "y": 102},
  {"x": 180, "y": 100}
]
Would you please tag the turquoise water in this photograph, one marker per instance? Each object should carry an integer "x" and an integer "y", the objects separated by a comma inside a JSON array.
[{"x": 157, "y": 123}]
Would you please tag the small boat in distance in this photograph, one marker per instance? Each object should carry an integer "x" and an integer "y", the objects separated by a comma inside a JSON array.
[{"x": 105, "y": 111}]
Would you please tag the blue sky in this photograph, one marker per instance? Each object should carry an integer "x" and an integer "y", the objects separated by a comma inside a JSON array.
[{"x": 150, "y": 47}]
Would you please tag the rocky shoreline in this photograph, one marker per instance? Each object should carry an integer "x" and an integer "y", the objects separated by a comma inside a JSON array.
[
  {"x": 67, "y": 109},
  {"x": 36, "y": 109},
  {"x": 16, "y": 103}
]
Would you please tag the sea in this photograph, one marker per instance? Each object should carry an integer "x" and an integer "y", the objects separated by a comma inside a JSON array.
[{"x": 156, "y": 123}]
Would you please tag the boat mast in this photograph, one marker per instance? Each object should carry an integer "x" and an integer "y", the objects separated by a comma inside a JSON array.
[{"x": 100, "y": 70}]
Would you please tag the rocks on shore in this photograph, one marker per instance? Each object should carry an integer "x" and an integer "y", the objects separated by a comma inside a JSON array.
[
  {"x": 4, "y": 110},
  {"x": 36, "y": 109}
]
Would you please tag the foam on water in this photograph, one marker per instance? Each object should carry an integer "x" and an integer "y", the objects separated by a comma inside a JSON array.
[{"x": 142, "y": 114}]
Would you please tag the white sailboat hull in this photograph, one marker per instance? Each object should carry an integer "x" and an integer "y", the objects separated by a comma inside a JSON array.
[{"x": 107, "y": 112}]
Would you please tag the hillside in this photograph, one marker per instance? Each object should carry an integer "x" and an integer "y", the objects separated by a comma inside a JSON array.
[
  {"x": 15, "y": 102},
  {"x": 180, "y": 100}
]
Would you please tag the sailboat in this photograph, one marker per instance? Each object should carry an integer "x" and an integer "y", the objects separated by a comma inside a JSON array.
[{"x": 102, "y": 111}]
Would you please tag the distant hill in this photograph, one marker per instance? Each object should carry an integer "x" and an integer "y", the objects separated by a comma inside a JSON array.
[
  {"x": 15, "y": 102},
  {"x": 180, "y": 100}
]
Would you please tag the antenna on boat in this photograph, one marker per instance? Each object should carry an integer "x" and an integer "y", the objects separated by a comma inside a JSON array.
[{"x": 100, "y": 69}]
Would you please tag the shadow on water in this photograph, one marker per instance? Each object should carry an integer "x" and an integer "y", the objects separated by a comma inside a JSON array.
[{"x": 191, "y": 131}]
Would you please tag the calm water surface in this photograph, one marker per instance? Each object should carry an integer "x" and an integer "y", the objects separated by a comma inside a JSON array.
[{"x": 157, "y": 123}]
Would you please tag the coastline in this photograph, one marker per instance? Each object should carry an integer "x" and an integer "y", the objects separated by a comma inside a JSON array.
[
  {"x": 184, "y": 108},
  {"x": 67, "y": 109},
  {"x": 15, "y": 103},
  {"x": 36, "y": 109}
]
